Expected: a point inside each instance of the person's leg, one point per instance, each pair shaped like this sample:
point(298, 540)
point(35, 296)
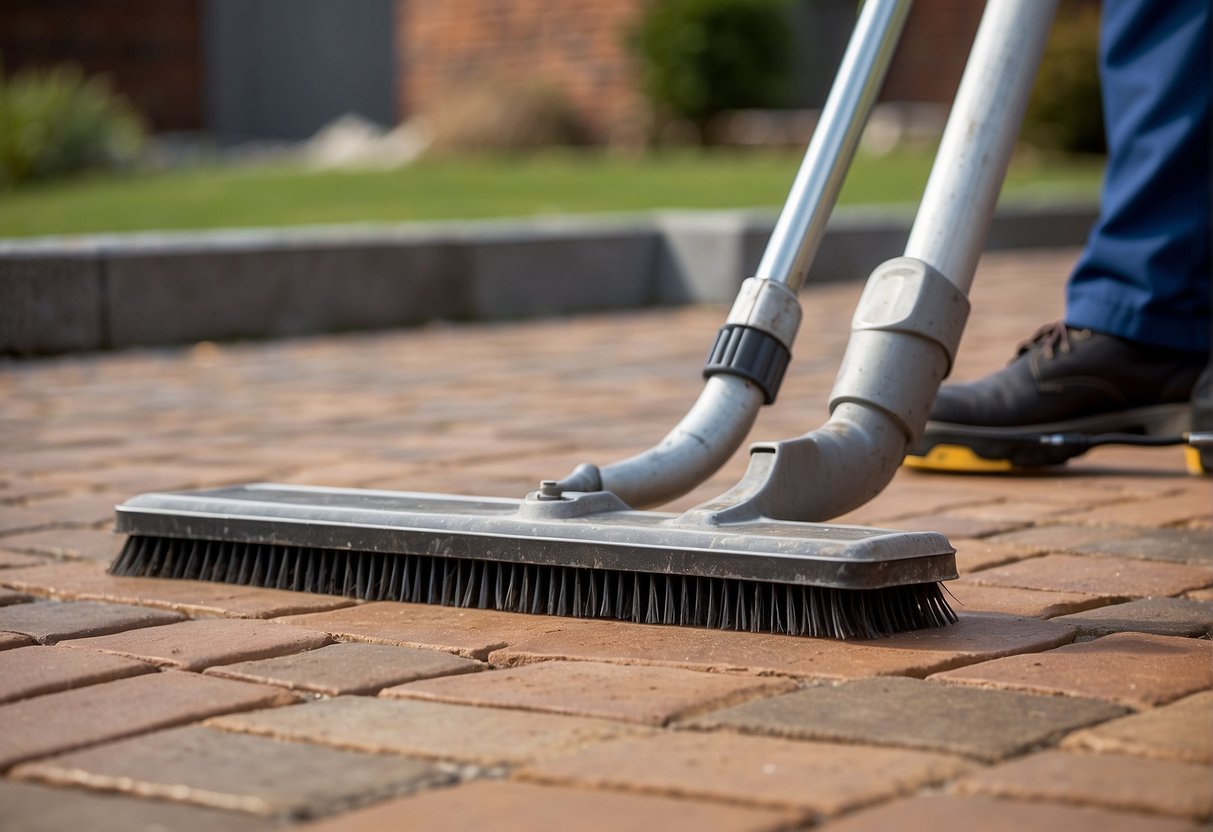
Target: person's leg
point(1144, 275)
point(1136, 334)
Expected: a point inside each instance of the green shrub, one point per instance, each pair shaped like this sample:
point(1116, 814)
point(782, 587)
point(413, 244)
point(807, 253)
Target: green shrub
point(55, 122)
point(702, 57)
point(1065, 113)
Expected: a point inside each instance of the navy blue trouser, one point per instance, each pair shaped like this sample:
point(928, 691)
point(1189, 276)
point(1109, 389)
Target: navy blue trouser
point(1145, 273)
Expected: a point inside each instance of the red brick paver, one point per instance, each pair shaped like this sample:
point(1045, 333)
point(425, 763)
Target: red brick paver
point(88, 581)
point(1182, 731)
point(763, 771)
point(1107, 576)
point(32, 671)
point(521, 807)
point(236, 771)
point(1136, 784)
point(652, 696)
point(196, 645)
point(1134, 669)
point(348, 667)
point(486, 736)
point(86, 716)
point(975, 638)
point(931, 814)
point(49, 622)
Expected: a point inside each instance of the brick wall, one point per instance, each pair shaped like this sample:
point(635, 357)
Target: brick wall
point(150, 49)
point(931, 55)
point(576, 45)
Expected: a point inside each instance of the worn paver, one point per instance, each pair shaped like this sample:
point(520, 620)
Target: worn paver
point(88, 581)
point(32, 671)
point(11, 560)
point(237, 771)
point(917, 653)
point(1057, 537)
point(1161, 616)
point(822, 778)
point(650, 695)
point(987, 725)
point(524, 807)
point(348, 668)
point(10, 640)
point(1182, 730)
point(1112, 781)
point(973, 555)
point(12, 596)
point(29, 807)
point(196, 645)
point(931, 814)
point(468, 632)
point(1135, 669)
point(1178, 545)
point(81, 717)
point(1169, 510)
point(72, 543)
point(1123, 577)
point(1028, 603)
point(52, 621)
point(433, 730)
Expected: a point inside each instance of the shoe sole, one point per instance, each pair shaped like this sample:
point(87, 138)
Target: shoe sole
point(947, 446)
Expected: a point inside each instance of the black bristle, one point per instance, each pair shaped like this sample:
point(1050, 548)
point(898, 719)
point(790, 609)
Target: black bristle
point(720, 603)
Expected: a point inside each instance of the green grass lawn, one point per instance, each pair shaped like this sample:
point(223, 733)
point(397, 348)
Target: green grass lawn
point(555, 183)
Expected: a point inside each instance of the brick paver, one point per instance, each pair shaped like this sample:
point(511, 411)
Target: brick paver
point(348, 667)
point(1030, 603)
point(522, 807)
point(1161, 616)
point(34, 808)
point(822, 778)
point(88, 581)
point(11, 596)
point(1113, 781)
point(86, 716)
point(931, 814)
point(1178, 545)
point(599, 690)
point(985, 725)
point(196, 645)
point(973, 639)
point(32, 671)
point(472, 633)
point(1134, 669)
point(491, 410)
point(1107, 576)
point(484, 736)
point(50, 621)
point(11, 640)
point(1181, 731)
point(237, 771)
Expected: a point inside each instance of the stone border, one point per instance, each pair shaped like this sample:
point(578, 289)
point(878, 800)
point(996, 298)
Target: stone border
point(110, 292)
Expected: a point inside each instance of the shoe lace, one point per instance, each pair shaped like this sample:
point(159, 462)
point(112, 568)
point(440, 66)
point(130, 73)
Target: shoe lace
point(1051, 338)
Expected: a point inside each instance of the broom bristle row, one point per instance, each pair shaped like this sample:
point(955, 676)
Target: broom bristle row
point(580, 592)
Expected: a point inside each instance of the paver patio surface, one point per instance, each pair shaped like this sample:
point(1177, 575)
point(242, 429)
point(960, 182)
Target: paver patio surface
point(1086, 607)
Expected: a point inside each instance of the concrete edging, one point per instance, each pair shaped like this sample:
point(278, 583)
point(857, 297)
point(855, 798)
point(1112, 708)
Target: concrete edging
point(116, 291)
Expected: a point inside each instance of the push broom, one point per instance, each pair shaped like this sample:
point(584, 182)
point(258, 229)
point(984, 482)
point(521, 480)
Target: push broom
point(756, 558)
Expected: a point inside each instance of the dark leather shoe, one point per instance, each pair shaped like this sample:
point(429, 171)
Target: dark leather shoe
point(1062, 380)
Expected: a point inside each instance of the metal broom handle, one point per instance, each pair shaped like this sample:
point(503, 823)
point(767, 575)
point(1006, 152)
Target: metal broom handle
point(802, 222)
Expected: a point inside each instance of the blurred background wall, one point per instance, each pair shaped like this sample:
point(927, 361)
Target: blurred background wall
point(281, 69)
